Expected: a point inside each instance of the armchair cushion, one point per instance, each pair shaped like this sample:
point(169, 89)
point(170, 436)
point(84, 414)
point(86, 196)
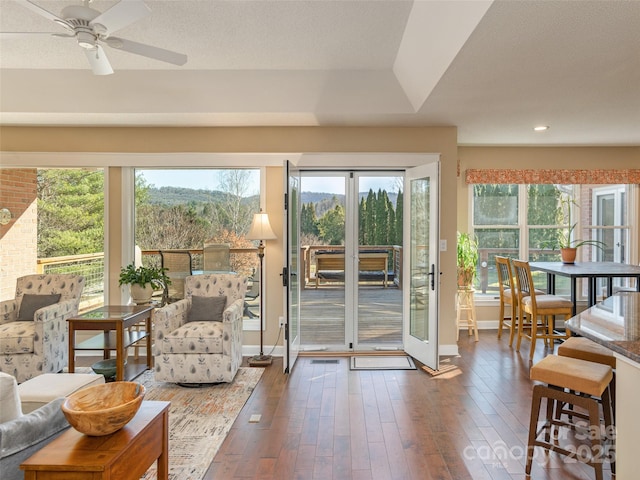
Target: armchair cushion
point(30, 303)
point(195, 337)
point(17, 337)
point(207, 308)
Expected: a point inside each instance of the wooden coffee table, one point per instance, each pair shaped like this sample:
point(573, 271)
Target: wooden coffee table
point(124, 455)
point(115, 321)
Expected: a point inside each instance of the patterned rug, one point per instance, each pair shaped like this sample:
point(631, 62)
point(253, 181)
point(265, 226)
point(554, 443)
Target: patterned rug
point(199, 419)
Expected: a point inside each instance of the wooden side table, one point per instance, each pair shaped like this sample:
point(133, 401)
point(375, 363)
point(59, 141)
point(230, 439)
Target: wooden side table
point(115, 321)
point(465, 305)
point(124, 455)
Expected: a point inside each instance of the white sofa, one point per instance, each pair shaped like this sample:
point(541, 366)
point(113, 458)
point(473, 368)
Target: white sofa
point(23, 435)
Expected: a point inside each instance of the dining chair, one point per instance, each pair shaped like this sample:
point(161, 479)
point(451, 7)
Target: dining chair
point(178, 265)
point(216, 258)
point(541, 310)
point(508, 297)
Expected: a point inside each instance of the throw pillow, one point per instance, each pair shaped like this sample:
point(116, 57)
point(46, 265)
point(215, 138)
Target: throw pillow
point(30, 303)
point(207, 308)
point(10, 407)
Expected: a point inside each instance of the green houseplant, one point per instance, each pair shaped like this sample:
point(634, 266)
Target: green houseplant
point(565, 241)
point(467, 260)
point(142, 281)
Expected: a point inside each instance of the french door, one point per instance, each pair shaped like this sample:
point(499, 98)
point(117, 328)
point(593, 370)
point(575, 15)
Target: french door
point(421, 268)
point(291, 272)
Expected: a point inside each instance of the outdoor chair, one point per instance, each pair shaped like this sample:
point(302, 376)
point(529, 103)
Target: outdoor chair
point(34, 336)
point(178, 265)
point(216, 258)
point(199, 339)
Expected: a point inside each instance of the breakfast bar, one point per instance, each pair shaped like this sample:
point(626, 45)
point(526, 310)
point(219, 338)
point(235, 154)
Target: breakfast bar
point(615, 323)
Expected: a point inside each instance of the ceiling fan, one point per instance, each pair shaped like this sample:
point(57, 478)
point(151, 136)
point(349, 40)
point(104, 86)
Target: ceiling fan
point(92, 29)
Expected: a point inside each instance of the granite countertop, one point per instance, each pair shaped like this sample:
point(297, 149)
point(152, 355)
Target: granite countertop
point(614, 323)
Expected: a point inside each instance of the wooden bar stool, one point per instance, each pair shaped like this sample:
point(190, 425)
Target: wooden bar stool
point(541, 310)
point(465, 305)
point(585, 349)
point(508, 298)
point(561, 377)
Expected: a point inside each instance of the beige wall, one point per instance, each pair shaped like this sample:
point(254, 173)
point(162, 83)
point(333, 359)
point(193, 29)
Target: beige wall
point(438, 140)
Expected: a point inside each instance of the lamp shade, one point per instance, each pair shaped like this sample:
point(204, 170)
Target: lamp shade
point(261, 228)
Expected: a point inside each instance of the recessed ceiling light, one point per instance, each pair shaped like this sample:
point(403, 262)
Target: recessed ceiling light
point(541, 128)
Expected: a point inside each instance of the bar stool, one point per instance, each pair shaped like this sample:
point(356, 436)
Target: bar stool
point(508, 298)
point(540, 309)
point(466, 305)
point(561, 377)
point(585, 349)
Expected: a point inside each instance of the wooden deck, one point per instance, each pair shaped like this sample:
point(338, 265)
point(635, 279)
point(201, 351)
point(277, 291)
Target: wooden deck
point(322, 313)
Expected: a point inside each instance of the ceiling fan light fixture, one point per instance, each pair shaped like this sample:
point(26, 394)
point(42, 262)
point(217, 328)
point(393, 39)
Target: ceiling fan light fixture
point(86, 40)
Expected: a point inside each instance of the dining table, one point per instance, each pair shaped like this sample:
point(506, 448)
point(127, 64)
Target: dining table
point(590, 271)
point(615, 324)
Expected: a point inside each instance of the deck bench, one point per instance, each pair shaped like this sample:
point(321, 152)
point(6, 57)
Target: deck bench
point(369, 261)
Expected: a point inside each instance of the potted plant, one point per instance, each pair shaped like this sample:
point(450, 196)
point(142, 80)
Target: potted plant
point(565, 242)
point(142, 281)
point(467, 259)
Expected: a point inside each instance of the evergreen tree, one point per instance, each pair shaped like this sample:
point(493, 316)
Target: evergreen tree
point(397, 239)
point(331, 226)
point(70, 211)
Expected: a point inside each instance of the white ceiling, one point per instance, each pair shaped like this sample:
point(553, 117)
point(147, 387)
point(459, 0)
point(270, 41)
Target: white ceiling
point(493, 69)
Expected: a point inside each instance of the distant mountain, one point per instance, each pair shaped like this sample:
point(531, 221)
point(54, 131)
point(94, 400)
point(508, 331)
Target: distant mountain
point(180, 196)
point(320, 197)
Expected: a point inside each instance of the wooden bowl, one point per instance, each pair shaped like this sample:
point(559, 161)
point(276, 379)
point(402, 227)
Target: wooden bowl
point(103, 409)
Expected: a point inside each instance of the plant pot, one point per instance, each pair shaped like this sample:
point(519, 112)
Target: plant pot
point(465, 278)
point(141, 294)
point(568, 255)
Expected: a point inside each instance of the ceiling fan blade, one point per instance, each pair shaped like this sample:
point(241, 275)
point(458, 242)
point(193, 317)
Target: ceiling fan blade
point(147, 50)
point(99, 61)
point(45, 13)
point(122, 14)
point(26, 34)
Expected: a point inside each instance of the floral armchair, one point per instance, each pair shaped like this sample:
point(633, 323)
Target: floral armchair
point(199, 339)
point(33, 326)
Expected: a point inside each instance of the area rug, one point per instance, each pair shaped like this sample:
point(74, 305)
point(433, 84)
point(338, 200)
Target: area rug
point(199, 419)
point(382, 362)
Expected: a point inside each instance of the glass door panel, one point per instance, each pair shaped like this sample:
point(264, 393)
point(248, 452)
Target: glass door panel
point(322, 249)
point(378, 256)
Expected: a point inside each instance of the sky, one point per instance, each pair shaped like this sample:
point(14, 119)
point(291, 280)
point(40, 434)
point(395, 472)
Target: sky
point(207, 179)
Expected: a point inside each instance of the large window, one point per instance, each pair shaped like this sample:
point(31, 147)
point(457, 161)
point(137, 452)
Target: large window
point(532, 222)
point(184, 209)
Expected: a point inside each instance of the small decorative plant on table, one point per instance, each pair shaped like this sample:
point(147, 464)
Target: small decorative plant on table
point(565, 241)
point(467, 259)
point(142, 281)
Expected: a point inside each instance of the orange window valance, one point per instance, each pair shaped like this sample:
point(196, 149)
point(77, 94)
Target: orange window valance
point(563, 177)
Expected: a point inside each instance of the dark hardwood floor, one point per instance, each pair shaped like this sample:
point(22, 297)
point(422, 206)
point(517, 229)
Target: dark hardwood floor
point(325, 421)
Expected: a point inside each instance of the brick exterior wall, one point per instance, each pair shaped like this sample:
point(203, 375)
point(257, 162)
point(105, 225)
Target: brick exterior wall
point(19, 238)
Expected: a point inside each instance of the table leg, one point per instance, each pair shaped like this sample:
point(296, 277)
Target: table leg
point(72, 348)
point(149, 326)
point(574, 281)
point(119, 352)
point(163, 459)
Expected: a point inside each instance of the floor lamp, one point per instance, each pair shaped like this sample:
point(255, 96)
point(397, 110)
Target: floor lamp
point(261, 230)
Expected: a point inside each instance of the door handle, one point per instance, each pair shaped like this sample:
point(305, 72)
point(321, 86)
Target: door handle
point(285, 277)
point(432, 274)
